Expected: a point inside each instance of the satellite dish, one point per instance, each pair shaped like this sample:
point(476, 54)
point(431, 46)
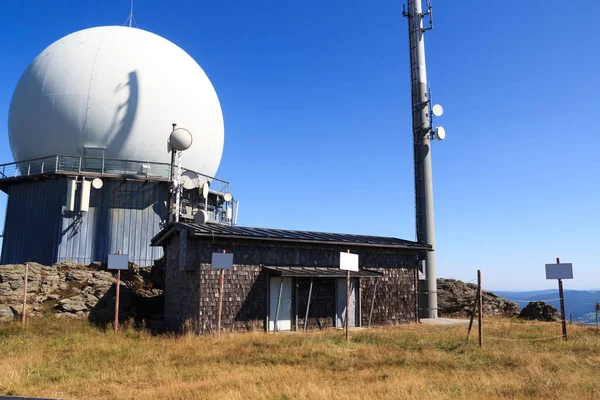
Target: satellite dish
point(180, 139)
point(228, 197)
point(97, 183)
point(201, 217)
point(189, 180)
point(437, 110)
point(205, 188)
point(440, 133)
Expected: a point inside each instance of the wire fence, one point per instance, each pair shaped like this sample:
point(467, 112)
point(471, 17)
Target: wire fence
point(323, 305)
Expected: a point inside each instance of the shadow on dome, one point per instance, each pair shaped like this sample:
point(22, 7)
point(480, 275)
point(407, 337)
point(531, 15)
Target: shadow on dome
point(119, 131)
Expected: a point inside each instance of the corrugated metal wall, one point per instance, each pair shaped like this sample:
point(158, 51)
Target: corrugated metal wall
point(33, 221)
point(123, 215)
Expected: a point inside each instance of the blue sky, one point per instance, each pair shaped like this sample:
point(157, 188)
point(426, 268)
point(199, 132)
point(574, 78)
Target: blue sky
point(316, 101)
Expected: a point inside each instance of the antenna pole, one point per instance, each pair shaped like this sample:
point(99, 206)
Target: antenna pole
point(131, 14)
point(422, 151)
point(130, 18)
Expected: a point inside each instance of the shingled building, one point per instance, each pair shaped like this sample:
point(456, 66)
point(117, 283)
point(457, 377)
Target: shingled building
point(281, 276)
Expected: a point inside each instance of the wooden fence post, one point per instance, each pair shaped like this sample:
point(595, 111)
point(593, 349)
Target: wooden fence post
point(480, 317)
point(24, 316)
point(475, 304)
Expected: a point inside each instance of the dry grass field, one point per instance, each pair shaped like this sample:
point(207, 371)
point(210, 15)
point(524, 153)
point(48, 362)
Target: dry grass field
point(73, 360)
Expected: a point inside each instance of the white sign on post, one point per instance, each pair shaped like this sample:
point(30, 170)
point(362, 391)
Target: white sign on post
point(118, 261)
point(559, 271)
point(349, 261)
point(222, 260)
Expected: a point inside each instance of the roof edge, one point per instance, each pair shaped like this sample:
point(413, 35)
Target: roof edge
point(169, 230)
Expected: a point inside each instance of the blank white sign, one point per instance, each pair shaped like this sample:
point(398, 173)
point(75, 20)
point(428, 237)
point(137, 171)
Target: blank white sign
point(559, 271)
point(222, 260)
point(349, 261)
point(118, 261)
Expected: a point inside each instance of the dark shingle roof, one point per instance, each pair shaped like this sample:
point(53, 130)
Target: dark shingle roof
point(242, 232)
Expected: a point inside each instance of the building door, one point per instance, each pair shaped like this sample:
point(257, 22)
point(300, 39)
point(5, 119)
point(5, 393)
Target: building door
point(341, 303)
point(284, 319)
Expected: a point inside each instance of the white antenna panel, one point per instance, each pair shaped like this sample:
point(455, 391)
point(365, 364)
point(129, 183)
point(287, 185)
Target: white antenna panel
point(71, 188)
point(86, 187)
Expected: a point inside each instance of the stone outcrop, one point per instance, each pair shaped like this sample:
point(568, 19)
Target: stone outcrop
point(455, 299)
point(540, 311)
point(69, 290)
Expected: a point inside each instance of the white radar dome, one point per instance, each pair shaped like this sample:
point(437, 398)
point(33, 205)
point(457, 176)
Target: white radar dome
point(115, 92)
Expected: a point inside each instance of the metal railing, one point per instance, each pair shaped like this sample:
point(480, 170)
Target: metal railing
point(94, 166)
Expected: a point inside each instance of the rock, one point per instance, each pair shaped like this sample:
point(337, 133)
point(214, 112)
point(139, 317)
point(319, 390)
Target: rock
point(78, 275)
point(540, 311)
point(67, 264)
point(70, 290)
point(90, 300)
point(97, 266)
point(6, 313)
point(73, 304)
point(455, 298)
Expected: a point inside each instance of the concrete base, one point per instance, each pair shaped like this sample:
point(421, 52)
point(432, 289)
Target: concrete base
point(445, 321)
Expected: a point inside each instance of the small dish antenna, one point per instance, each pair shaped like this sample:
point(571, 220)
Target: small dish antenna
point(190, 180)
point(97, 183)
point(440, 133)
point(201, 217)
point(180, 139)
point(437, 110)
point(205, 188)
point(228, 197)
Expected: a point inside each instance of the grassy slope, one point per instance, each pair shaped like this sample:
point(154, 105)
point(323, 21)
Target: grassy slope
point(70, 359)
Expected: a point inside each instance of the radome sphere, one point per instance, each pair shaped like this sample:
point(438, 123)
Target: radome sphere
point(115, 92)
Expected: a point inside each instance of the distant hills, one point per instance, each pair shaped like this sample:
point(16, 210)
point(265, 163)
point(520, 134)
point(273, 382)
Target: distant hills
point(580, 303)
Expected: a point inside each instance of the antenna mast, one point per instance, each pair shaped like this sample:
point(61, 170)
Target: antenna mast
point(422, 134)
point(131, 18)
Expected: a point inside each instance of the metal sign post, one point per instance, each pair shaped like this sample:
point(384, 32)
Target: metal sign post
point(118, 261)
point(308, 304)
point(220, 306)
point(347, 305)
point(348, 262)
point(560, 271)
point(221, 261)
